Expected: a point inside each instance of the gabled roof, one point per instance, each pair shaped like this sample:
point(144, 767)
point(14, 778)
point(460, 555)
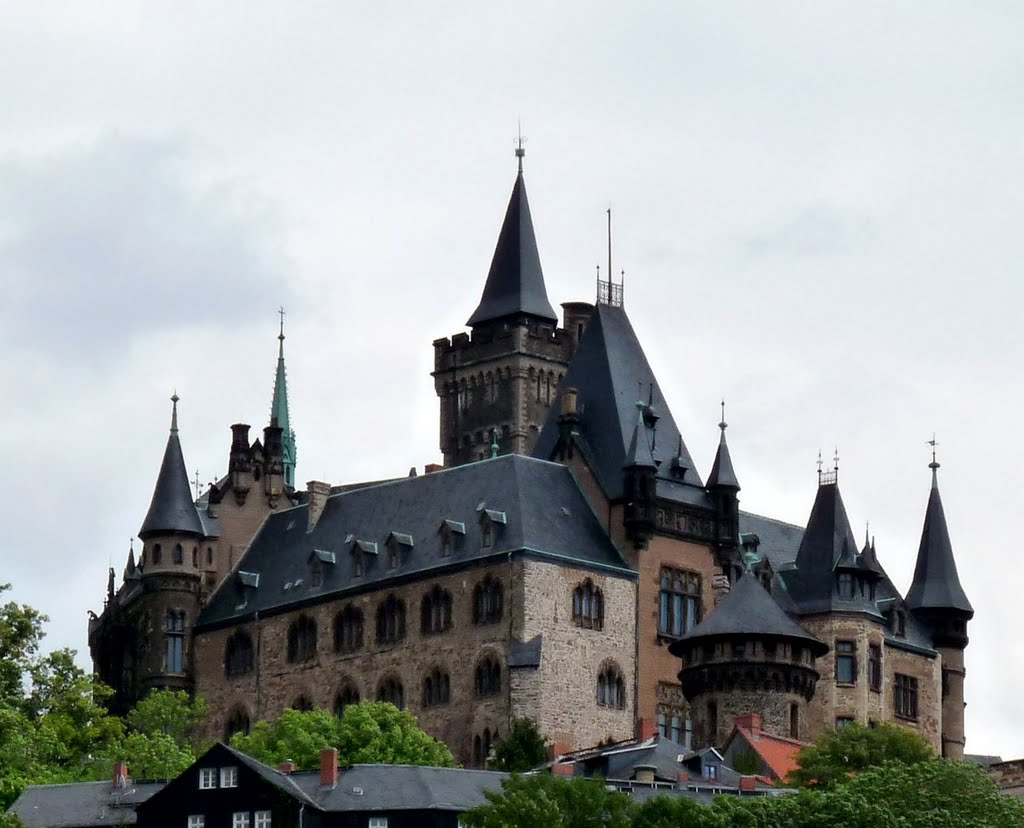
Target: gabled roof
point(515, 281)
point(936, 583)
point(82, 804)
point(547, 516)
point(777, 752)
point(610, 372)
point(747, 611)
point(172, 508)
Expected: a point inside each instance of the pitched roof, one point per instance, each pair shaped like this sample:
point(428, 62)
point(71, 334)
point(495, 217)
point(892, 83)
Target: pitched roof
point(936, 583)
point(610, 371)
point(748, 610)
point(547, 516)
point(515, 281)
point(172, 508)
point(638, 455)
point(777, 752)
point(81, 804)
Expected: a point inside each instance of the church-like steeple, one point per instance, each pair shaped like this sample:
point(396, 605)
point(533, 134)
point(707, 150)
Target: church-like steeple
point(515, 282)
point(279, 411)
point(936, 584)
point(172, 508)
point(722, 475)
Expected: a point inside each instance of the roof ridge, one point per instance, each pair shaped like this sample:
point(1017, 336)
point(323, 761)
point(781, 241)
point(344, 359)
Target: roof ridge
point(772, 519)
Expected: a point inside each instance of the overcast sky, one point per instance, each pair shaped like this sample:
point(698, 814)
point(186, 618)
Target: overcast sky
point(818, 208)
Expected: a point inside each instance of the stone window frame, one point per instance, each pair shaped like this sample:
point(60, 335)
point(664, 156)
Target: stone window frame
point(846, 654)
point(482, 744)
point(348, 628)
point(391, 626)
point(392, 690)
point(680, 603)
point(179, 555)
point(487, 676)
point(675, 722)
point(348, 694)
point(875, 667)
point(588, 605)
point(488, 601)
point(611, 686)
point(437, 688)
point(239, 655)
point(239, 721)
point(157, 554)
point(302, 639)
point(905, 697)
point(174, 635)
point(436, 611)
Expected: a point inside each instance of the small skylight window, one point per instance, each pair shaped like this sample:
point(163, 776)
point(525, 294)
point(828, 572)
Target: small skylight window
point(349, 538)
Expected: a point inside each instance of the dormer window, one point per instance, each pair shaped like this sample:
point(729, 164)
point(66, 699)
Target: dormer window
point(394, 544)
point(845, 586)
point(360, 549)
point(490, 519)
point(452, 532)
point(319, 560)
point(486, 535)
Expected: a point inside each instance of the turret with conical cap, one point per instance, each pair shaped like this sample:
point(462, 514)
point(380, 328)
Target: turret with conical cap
point(639, 484)
point(724, 486)
point(172, 509)
point(937, 598)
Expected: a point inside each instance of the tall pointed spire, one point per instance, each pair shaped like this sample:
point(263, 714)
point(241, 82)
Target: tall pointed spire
point(279, 410)
point(515, 282)
point(722, 475)
point(639, 455)
point(936, 583)
point(172, 508)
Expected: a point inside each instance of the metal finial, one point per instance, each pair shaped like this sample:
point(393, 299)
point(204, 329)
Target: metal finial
point(174, 412)
point(196, 484)
point(520, 152)
point(835, 461)
point(867, 532)
point(820, 463)
point(495, 434)
point(934, 465)
point(610, 277)
point(723, 424)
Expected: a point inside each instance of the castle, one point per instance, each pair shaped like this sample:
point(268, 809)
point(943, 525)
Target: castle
point(568, 563)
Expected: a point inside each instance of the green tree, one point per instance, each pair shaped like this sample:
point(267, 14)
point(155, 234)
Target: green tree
point(169, 712)
point(21, 630)
point(546, 801)
point(10, 821)
point(522, 750)
point(676, 812)
point(367, 733)
point(836, 755)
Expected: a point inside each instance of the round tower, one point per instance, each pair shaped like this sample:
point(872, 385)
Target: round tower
point(939, 601)
point(748, 657)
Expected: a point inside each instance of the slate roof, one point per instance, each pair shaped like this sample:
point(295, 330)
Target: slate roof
point(81, 804)
point(515, 281)
point(722, 474)
point(172, 508)
point(610, 372)
point(547, 516)
point(936, 583)
point(777, 540)
point(748, 610)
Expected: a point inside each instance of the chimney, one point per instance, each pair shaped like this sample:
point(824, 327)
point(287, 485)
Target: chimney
point(120, 781)
point(563, 769)
point(749, 721)
point(318, 494)
point(748, 784)
point(329, 767)
point(646, 729)
point(287, 767)
point(575, 316)
point(430, 468)
point(556, 749)
point(273, 460)
point(644, 773)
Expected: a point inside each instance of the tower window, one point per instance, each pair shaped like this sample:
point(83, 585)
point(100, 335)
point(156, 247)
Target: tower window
point(157, 554)
point(679, 606)
point(179, 554)
point(436, 611)
point(845, 586)
point(301, 640)
point(174, 626)
point(905, 697)
point(875, 668)
point(437, 688)
point(611, 689)
point(588, 606)
point(348, 630)
point(794, 721)
point(846, 662)
point(391, 620)
point(482, 747)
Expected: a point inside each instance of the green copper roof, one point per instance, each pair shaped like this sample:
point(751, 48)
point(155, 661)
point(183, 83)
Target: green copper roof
point(279, 411)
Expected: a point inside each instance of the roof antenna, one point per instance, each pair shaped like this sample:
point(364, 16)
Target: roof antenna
point(520, 152)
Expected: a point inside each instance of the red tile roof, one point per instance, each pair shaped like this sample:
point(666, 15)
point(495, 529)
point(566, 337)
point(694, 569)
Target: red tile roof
point(777, 752)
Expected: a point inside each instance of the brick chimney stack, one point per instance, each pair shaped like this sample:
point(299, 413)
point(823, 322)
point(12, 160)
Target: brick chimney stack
point(750, 721)
point(120, 776)
point(329, 767)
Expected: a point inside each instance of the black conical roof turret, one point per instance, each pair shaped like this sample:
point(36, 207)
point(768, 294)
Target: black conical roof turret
point(515, 282)
point(748, 611)
point(722, 475)
point(172, 508)
point(639, 455)
point(936, 583)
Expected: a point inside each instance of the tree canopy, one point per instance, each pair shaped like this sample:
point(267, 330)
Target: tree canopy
point(366, 733)
point(522, 750)
point(545, 801)
point(836, 755)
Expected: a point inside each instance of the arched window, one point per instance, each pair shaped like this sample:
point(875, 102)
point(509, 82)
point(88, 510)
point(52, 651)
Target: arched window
point(302, 703)
point(611, 689)
point(209, 556)
point(488, 677)
point(437, 688)
point(348, 694)
point(588, 606)
point(301, 640)
point(195, 557)
point(179, 554)
point(174, 627)
point(157, 554)
point(391, 620)
point(488, 601)
point(238, 655)
point(436, 611)
point(348, 630)
point(391, 690)
point(482, 745)
point(238, 722)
